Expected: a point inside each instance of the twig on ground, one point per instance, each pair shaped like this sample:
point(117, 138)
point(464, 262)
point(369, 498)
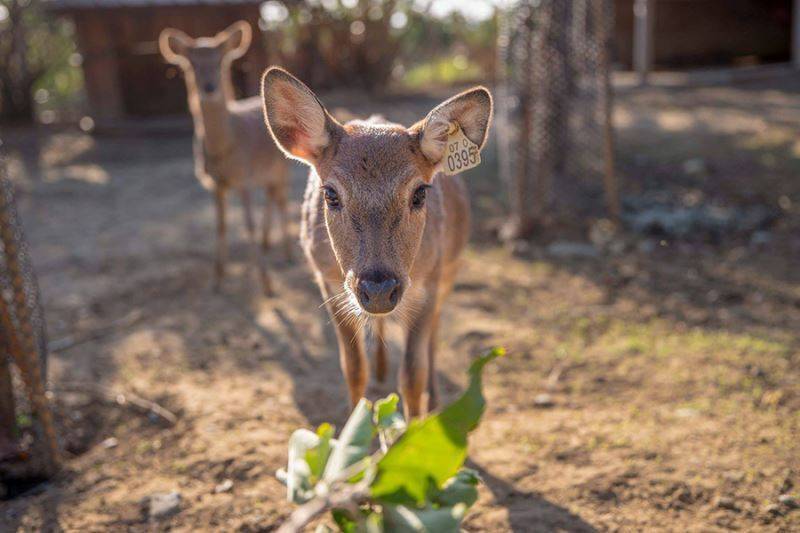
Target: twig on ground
point(120, 398)
point(70, 341)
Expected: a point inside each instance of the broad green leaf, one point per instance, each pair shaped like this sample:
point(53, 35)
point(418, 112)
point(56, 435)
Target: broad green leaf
point(432, 450)
point(353, 443)
point(317, 457)
point(299, 488)
point(389, 421)
point(402, 519)
point(462, 488)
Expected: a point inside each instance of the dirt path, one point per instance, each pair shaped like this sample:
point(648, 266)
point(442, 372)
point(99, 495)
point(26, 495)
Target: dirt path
point(672, 373)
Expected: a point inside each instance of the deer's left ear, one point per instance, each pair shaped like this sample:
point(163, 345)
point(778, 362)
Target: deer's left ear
point(471, 110)
point(235, 39)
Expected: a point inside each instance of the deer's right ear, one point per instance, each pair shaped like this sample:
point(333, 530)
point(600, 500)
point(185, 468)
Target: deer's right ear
point(298, 122)
point(173, 45)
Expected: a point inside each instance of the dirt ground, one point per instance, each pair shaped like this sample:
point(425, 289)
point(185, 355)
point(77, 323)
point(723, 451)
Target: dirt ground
point(671, 369)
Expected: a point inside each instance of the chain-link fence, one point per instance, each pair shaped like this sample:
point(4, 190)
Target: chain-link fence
point(22, 330)
point(554, 111)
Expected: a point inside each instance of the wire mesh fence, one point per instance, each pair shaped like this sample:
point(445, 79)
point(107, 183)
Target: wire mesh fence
point(22, 329)
point(554, 111)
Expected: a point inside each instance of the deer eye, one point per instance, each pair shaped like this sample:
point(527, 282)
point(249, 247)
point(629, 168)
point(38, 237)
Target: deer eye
point(418, 199)
point(332, 198)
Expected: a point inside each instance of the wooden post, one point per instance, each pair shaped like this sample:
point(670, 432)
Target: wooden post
point(8, 417)
point(100, 68)
point(643, 37)
point(796, 34)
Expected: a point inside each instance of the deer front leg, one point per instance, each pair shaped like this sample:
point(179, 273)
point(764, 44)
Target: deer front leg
point(416, 366)
point(265, 222)
point(222, 249)
point(381, 363)
point(282, 198)
point(255, 248)
point(433, 380)
point(351, 346)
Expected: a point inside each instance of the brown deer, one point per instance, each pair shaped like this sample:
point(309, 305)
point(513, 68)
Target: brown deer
point(382, 226)
point(231, 147)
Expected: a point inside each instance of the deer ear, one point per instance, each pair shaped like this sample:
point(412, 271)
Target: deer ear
point(236, 39)
point(298, 122)
point(471, 110)
point(173, 45)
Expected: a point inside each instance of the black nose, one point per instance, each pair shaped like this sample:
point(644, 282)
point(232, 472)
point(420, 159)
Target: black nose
point(379, 293)
point(209, 88)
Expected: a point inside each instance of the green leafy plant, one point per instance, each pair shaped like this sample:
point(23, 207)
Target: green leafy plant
point(414, 482)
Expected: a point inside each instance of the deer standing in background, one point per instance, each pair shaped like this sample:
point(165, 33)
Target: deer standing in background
point(232, 149)
point(382, 227)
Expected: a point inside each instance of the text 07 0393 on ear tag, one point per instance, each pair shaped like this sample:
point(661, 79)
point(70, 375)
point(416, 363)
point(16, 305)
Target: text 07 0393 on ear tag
point(460, 154)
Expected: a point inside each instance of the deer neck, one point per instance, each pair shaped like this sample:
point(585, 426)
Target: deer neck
point(215, 129)
point(228, 91)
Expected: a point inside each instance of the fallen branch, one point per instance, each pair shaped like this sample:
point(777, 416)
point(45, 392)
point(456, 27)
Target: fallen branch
point(70, 341)
point(120, 398)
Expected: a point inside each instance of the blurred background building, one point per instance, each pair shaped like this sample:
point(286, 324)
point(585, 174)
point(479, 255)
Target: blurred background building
point(100, 56)
point(123, 72)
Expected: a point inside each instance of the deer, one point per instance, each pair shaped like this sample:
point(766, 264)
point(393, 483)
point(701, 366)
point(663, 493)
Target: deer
point(231, 146)
point(382, 226)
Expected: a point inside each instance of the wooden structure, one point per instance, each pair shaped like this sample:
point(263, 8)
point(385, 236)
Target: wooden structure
point(125, 76)
point(695, 33)
point(796, 34)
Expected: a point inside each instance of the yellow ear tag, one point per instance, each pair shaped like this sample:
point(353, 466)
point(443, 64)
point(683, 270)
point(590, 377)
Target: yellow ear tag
point(460, 153)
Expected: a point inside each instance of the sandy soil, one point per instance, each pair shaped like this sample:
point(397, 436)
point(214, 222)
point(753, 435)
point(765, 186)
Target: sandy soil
point(673, 372)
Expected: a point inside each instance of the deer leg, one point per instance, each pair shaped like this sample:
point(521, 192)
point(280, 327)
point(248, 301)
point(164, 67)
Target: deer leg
point(222, 248)
point(265, 222)
point(255, 248)
point(433, 380)
point(351, 347)
point(415, 367)
point(283, 208)
point(381, 363)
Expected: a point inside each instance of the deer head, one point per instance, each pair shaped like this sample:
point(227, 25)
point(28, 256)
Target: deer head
point(206, 61)
point(374, 179)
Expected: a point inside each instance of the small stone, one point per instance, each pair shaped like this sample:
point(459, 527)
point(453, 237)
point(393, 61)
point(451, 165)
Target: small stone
point(110, 442)
point(760, 239)
point(565, 250)
point(225, 486)
point(646, 246)
point(773, 509)
point(617, 247)
point(726, 502)
point(163, 504)
point(519, 247)
point(787, 500)
point(543, 400)
point(695, 166)
point(602, 233)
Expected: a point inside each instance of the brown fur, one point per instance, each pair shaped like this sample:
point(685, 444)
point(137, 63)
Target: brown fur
point(231, 148)
point(375, 167)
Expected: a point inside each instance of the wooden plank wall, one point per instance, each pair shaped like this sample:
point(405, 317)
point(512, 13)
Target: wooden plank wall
point(124, 72)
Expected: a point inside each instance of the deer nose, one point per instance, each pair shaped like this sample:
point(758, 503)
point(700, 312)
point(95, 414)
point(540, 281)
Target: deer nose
point(209, 88)
point(379, 294)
